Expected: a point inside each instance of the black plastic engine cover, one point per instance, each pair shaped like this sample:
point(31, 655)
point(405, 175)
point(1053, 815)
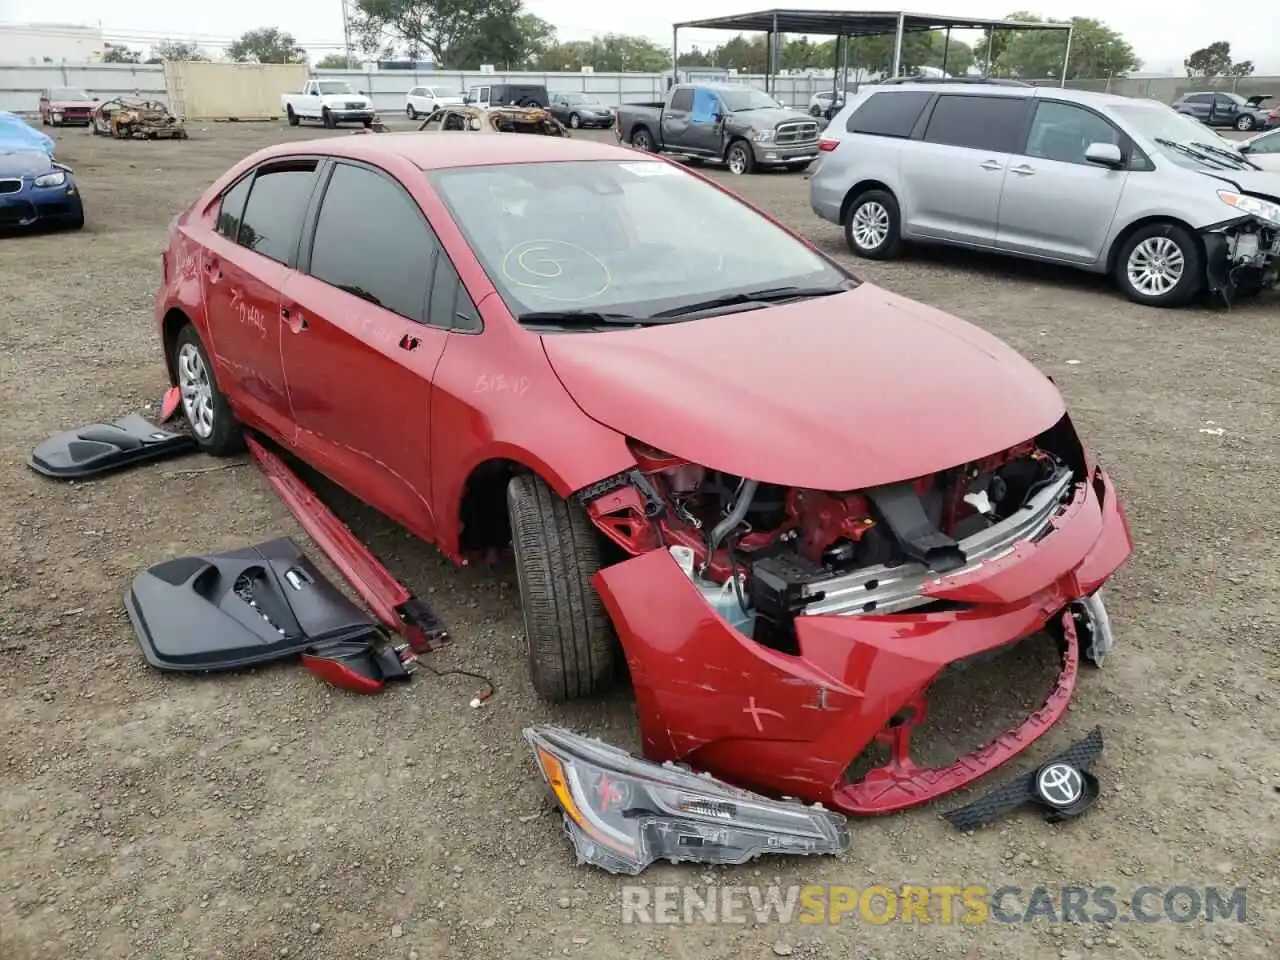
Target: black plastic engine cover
point(235, 609)
point(99, 447)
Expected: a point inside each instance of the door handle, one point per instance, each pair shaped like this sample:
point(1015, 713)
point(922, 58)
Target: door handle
point(992, 165)
point(294, 320)
point(1023, 171)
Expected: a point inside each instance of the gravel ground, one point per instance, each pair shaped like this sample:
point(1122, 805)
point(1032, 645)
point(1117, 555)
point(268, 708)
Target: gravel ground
point(267, 815)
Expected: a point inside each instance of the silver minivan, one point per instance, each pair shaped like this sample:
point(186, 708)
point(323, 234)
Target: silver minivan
point(1109, 184)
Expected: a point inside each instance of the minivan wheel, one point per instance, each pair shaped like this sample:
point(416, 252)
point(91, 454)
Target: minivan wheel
point(873, 227)
point(1245, 123)
point(570, 641)
point(1160, 265)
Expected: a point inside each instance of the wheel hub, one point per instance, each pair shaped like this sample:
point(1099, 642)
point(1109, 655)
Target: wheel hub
point(197, 391)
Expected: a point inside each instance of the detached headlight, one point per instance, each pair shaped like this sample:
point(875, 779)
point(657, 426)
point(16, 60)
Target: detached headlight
point(763, 136)
point(1254, 206)
point(623, 813)
point(55, 179)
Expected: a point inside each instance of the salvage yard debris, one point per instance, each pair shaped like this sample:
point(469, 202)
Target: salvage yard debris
point(127, 118)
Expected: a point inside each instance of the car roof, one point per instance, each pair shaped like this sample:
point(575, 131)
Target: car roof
point(980, 89)
point(439, 151)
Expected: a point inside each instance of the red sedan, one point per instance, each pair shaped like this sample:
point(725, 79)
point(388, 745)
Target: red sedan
point(62, 105)
point(790, 499)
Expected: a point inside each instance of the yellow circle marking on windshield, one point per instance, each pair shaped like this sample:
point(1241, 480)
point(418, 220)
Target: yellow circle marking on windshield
point(533, 257)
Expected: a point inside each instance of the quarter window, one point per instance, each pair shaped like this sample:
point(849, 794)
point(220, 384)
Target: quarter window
point(277, 205)
point(888, 114)
point(1063, 132)
point(979, 123)
point(372, 241)
point(231, 209)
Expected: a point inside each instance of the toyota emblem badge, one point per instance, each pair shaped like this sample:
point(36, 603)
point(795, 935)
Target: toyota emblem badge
point(1060, 785)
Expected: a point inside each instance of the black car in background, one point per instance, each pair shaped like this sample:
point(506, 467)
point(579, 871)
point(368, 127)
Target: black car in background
point(1219, 109)
point(580, 110)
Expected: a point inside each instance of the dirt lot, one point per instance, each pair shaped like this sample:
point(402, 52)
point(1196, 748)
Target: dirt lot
point(266, 815)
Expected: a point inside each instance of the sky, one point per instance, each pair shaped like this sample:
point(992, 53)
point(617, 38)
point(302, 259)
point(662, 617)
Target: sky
point(1162, 33)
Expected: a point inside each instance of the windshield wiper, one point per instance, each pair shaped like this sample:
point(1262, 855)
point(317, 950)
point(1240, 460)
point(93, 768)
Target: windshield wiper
point(360, 292)
point(1187, 150)
point(1228, 154)
point(762, 297)
point(579, 318)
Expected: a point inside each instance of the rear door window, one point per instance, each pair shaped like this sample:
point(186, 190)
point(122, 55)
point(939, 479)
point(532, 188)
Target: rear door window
point(888, 114)
point(372, 241)
point(272, 221)
point(978, 123)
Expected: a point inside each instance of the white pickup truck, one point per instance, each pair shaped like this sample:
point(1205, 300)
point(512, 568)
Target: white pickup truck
point(330, 101)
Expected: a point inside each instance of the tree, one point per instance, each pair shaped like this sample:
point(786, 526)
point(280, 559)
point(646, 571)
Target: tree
point(506, 41)
point(1096, 51)
point(1241, 68)
point(266, 45)
point(115, 53)
point(175, 50)
point(612, 53)
point(1211, 61)
point(333, 61)
point(446, 29)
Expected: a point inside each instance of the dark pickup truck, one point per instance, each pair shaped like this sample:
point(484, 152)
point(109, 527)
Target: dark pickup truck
point(727, 123)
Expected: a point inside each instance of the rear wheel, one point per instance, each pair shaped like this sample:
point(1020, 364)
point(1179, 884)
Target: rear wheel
point(411, 113)
point(642, 140)
point(1160, 265)
point(874, 224)
point(205, 406)
point(1246, 123)
point(569, 639)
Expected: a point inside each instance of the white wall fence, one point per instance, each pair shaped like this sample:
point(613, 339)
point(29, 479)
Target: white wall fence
point(20, 84)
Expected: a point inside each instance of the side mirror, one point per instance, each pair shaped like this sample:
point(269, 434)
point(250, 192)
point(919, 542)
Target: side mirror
point(1244, 147)
point(1104, 154)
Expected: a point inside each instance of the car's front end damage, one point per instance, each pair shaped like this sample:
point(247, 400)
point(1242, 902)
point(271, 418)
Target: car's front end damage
point(1242, 253)
point(775, 633)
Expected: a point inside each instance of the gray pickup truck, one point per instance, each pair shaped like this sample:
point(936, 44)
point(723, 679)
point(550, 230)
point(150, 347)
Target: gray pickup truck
point(726, 123)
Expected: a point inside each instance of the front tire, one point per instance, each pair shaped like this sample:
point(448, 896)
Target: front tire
point(1160, 265)
point(575, 121)
point(569, 638)
point(293, 117)
point(740, 158)
point(327, 118)
point(205, 406)
point(873, 227)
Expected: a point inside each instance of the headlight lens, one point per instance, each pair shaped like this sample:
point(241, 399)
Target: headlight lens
point(763, 136)
point(623, 813)
point(55, 179)
point(1254, 206)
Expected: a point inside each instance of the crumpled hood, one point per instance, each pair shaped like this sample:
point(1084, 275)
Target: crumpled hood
point(833, 393)
point(21, 163)
point(1264, 183)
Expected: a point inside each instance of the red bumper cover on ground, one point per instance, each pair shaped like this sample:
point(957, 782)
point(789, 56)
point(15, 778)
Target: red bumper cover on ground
point(792, 724)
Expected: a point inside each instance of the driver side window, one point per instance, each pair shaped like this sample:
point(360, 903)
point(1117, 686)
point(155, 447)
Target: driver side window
point(1063, 132)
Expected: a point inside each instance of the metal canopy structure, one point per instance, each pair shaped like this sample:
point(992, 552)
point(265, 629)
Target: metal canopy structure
point(847, 25)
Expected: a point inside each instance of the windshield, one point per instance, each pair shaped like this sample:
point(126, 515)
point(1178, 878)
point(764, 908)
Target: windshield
point(738, 99)
point(67, 93)
point(444, 92)
point(1157, 122)
point(335, 86)
point(579, 98)
point(624, 237)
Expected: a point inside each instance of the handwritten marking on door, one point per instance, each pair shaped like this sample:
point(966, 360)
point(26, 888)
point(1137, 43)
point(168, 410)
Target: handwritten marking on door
point(500, 383)
point(248, 314)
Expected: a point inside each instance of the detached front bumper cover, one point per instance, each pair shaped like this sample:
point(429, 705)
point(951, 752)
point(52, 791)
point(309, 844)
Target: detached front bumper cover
point(623, 813)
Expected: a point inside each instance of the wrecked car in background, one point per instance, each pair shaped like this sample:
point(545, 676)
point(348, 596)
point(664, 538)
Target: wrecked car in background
point(133, 119)
point(504, 119)
point(791, 499)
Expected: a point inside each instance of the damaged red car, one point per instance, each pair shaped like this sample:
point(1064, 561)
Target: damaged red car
point(788, 500)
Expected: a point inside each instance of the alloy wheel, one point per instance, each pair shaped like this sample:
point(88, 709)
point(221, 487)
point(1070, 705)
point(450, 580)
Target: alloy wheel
point(1155, 266)
point(197, 391)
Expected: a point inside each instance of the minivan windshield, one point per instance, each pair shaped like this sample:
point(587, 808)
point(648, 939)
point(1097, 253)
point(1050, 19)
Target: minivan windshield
point(1179, 137)
point(624, 241)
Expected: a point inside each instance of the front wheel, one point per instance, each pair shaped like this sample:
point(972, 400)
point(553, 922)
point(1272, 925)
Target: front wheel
point(327, 118)
point(873, 228)
point(569, 640)
point(293, 117)
point(740, 159)
point(1161, 265)
point(205, 406)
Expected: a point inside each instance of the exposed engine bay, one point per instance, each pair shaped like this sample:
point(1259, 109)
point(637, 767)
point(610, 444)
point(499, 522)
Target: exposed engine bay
point(763, 555)
point(1244, 254)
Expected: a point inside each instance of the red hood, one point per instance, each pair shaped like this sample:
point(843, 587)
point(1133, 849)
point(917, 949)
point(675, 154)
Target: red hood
point(833, 393)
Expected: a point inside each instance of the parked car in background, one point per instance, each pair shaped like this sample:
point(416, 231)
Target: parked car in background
point(1219, 109)
point(580, 110)
point(37, 191)
point(1262, 149)
point(66, 105)
point(507, 95)
point(825, 103)
point(727, 123)
point(332, 102)
point(423, 101)
point(732, 466)
point(1109, 184)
